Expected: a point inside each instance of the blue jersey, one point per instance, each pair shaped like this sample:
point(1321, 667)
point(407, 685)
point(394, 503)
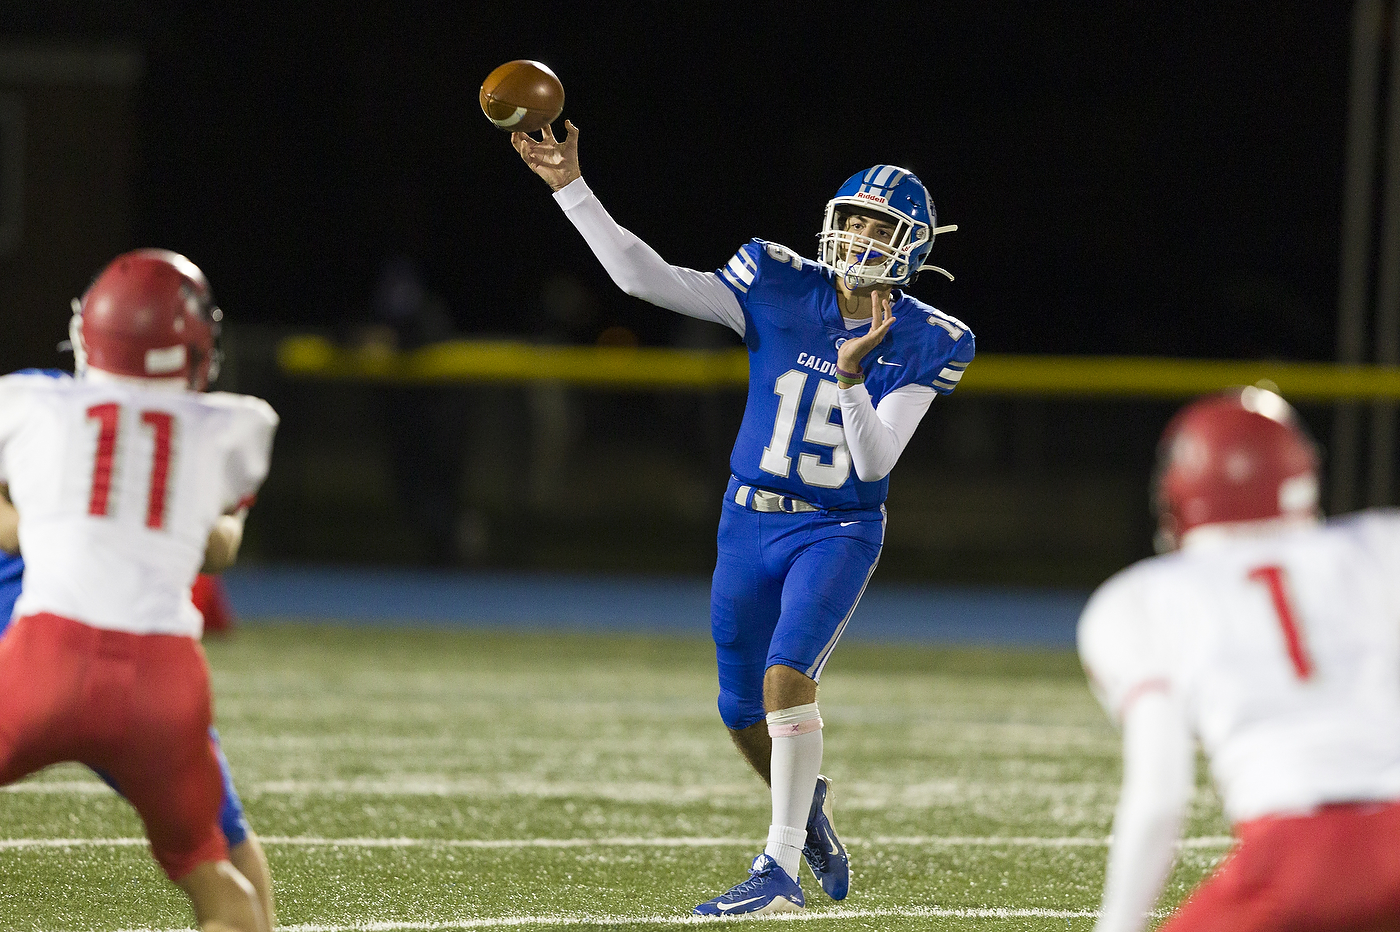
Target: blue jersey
point(791, 440)
point(11, 575)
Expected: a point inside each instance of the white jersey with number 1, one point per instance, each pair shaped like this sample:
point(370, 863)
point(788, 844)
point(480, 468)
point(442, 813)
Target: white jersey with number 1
point(1282, 651)
point(118, 486)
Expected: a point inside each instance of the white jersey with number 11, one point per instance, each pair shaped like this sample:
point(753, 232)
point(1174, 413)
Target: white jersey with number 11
point(118, 486)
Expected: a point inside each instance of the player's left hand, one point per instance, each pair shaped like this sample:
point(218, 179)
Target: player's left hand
point(850, 354)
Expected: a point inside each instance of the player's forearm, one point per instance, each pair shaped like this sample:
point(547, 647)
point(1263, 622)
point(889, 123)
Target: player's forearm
point(225, 539)
point(876, 438)
point(637, 269)
point(9, 522)
point(1158, 764)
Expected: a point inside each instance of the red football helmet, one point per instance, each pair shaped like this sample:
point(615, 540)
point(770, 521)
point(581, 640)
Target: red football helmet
point(1238, 456)
point(149, 314)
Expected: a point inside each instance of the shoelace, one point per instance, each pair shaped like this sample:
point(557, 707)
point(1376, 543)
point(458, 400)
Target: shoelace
point(755, 875)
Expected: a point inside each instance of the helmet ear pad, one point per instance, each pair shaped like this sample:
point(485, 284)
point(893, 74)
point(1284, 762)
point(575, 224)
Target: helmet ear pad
point(149, 314)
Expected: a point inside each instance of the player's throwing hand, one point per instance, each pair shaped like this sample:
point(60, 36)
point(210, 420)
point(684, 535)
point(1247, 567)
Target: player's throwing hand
point(554, 161)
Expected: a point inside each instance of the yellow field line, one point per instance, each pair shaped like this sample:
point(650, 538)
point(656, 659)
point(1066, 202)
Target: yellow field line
point(314, 357)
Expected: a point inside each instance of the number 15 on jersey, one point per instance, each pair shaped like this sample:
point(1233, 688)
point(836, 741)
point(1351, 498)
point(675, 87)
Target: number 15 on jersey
point(819, 431)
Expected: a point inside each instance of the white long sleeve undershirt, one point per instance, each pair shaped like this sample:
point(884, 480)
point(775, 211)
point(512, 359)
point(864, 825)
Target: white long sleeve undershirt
point(637, 269)
point(875, 436)
point(1158, 778)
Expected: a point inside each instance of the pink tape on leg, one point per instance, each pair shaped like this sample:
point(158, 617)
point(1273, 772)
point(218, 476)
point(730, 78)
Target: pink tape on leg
point(799, 720)
point(795, 729)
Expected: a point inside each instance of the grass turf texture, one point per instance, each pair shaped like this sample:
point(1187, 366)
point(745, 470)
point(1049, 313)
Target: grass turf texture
point(445, 779)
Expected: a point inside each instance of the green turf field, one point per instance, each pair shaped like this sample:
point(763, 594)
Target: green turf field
point(415, 780)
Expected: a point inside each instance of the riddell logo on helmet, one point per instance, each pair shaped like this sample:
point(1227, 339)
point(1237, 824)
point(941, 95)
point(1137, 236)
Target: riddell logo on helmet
point(861, 195)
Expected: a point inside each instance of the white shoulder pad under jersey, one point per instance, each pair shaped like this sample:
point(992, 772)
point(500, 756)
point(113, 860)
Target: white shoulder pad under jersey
point(14, 409)
point(118, 487)
point(1283, 650)
point(1117, 644)
point(251, 426)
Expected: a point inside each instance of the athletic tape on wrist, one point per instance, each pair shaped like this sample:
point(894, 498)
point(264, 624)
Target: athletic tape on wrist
point(798, 720)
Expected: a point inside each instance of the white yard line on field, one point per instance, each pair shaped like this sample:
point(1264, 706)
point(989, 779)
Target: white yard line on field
point(1009, 841)
point(912, 912)
point(878, 841)
point(56, 787)
point(856, 795)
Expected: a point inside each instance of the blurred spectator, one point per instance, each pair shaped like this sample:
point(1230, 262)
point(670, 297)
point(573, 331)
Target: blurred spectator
point(568, 311)
point(568, 315)
point(403, 304)
point(424, 425)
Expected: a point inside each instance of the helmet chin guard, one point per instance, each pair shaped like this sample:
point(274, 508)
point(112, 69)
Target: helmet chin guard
point(888, 193)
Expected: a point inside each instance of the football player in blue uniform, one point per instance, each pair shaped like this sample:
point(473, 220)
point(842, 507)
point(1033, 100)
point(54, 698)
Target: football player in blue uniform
point(244, 849)
point(843, 364)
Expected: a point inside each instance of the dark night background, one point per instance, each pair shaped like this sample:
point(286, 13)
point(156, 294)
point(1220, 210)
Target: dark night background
point(1129, 177)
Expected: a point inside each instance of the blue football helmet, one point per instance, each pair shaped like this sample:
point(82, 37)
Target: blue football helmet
point(888, 193)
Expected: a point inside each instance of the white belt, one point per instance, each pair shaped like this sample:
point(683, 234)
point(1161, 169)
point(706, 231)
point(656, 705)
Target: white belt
point(763, 500)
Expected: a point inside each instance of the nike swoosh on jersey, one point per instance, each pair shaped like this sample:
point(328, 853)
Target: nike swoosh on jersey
point(881, 361)
point(849, 523)
point(726, 907)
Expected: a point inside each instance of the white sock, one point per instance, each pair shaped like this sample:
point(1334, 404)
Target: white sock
point(785, 847)
point(797, 759)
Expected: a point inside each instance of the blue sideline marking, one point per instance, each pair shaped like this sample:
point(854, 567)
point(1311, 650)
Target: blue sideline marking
point(680, 605)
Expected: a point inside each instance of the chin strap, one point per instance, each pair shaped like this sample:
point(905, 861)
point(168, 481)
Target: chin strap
point(950, 228)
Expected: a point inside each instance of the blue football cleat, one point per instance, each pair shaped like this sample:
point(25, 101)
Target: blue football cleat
point(824, 852)
point(769, 889)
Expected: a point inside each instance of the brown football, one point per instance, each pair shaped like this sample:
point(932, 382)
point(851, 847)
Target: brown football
point(522, 96)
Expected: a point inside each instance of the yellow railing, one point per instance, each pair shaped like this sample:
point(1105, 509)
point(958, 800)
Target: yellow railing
point(314, 357)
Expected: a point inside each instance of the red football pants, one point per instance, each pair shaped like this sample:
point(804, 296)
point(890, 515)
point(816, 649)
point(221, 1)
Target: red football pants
point(135, 706)
point(1337, 870)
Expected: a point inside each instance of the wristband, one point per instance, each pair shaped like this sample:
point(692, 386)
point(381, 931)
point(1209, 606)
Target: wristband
point(851, 376)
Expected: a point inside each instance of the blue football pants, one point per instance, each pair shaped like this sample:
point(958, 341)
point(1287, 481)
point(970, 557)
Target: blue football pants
point(785, 586)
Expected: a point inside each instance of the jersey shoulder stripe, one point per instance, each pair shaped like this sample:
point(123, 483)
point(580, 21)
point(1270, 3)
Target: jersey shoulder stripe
point(742, 269)
point(758, 259)
point(738, 274)
point(948, 378)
